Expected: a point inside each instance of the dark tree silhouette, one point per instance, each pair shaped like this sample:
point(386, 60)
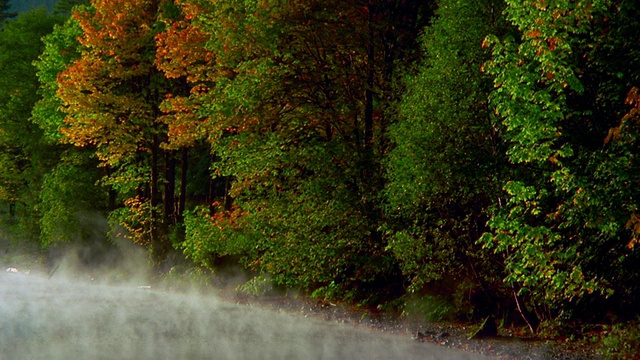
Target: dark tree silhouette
point(5, 14)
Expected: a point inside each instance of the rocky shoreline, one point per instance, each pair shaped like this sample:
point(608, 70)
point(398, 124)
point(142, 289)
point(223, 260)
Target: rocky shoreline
point(508, 346)
point(451, 335)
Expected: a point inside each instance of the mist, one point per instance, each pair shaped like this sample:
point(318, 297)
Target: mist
point(56, 318)
point(97, 300)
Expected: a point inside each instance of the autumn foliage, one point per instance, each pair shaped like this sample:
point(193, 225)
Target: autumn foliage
point(479, 152)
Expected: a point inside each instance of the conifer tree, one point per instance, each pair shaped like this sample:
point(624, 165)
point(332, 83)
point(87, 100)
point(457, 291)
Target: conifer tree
point(5, 14)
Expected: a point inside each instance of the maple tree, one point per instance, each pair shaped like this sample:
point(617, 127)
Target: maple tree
point(291, 118)
point(112, 96)
point(182, 55)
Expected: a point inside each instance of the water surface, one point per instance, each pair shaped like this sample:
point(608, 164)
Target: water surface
point(51, 319)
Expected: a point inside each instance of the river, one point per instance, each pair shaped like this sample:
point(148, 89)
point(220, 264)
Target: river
point(51, 319)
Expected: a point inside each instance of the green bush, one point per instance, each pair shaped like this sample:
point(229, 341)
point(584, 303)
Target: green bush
point(431, 308)
point(622, 342)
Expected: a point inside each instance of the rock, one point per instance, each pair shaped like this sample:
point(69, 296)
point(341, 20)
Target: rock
point(424, 335)
point(430, 335)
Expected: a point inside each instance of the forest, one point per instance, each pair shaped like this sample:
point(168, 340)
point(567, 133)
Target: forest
point(477, 154)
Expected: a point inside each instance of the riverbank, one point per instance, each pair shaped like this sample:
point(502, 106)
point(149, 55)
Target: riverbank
point(511, 343)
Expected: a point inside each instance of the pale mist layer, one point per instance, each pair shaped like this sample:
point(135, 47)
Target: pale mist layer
point(43, 318)
point(108, 311)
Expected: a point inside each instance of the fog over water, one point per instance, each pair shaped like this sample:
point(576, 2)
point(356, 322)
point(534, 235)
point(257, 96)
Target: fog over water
point(44, 318)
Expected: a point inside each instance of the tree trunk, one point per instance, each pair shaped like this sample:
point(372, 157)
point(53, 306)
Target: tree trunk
point(113, 195)
point(170, 188)
point(184, 166)
point(368, 108)
point(529, 317)
point(157, 247)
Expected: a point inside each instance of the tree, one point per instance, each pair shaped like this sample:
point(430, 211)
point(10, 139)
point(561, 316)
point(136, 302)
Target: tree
point(561, 231)
point(68, 197)
point(65, 7)
point(23, 157)
point(445, 167)
point(112, 96)
point(5, 14)
point(61, 49)
point(182, 56)
point(293, 119)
